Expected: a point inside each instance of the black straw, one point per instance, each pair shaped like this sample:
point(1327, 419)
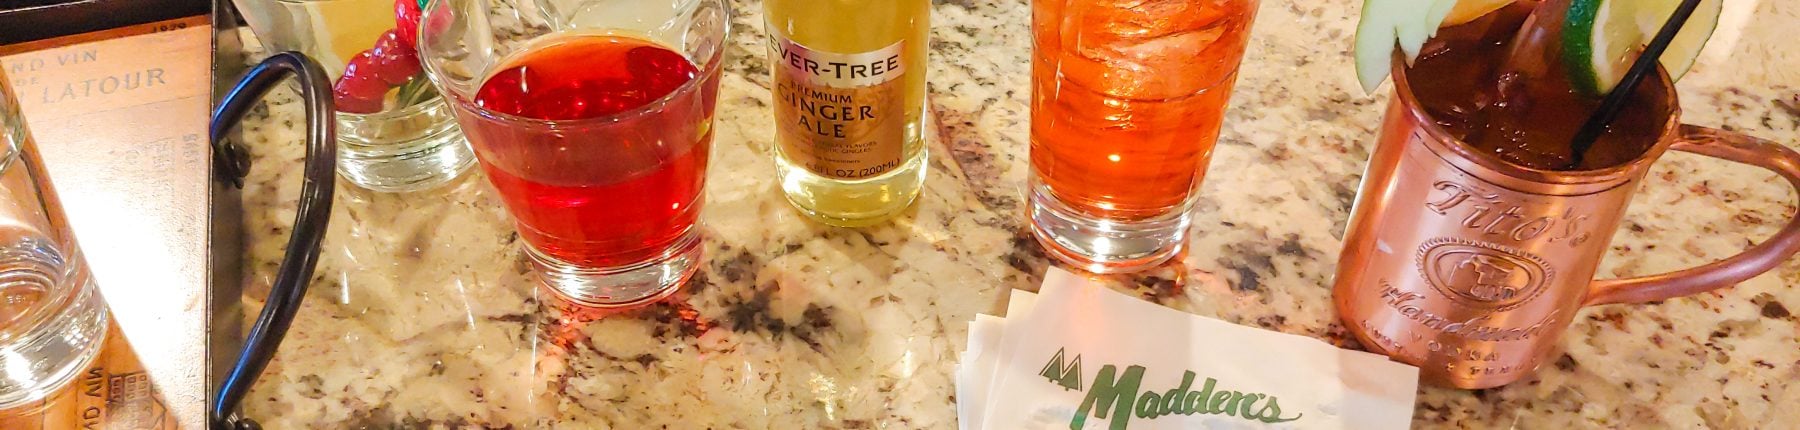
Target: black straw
point(1640, 69)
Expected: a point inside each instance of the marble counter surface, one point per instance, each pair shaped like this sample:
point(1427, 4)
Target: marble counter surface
point(421, 315)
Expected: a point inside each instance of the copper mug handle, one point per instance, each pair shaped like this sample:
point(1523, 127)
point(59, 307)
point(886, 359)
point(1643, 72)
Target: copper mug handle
point(1735, 147)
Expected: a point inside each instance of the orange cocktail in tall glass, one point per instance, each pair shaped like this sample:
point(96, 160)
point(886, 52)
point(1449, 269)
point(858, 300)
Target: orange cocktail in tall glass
point(1127, 99)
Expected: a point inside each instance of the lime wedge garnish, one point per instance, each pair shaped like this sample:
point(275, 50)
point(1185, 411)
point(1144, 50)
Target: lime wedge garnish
point(1406, 24)
point(1602, 37)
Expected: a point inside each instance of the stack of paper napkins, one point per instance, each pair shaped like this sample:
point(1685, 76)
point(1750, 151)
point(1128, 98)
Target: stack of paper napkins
point(1080, 356)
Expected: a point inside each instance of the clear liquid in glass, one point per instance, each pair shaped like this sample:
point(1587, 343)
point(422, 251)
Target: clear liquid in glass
point(52, 320)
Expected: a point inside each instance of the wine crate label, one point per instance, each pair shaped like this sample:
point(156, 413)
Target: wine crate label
point(112, 392)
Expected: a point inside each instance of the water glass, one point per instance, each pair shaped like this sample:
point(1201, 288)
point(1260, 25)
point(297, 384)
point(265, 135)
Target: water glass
point(52, 320)
point(395, 133)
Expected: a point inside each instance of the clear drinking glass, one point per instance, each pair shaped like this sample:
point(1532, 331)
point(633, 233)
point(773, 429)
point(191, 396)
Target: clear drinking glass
point(606, 205)
point(1126, 103)
point(52, 320)
point(395, 133)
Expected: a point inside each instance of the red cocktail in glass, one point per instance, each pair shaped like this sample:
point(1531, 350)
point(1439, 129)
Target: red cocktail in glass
point(596, 135)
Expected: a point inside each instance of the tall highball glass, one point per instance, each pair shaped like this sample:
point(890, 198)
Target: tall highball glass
point(1127, 98)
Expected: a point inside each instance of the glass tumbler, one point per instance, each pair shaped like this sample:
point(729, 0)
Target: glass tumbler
point(1126, 103)
point(52, 320)
point(606, 205)
point(395, 133)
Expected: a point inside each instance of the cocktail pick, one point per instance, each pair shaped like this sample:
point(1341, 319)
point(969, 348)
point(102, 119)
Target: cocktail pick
point(1640, 69)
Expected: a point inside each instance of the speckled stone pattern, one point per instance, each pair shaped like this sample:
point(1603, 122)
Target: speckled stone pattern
point(422, 316)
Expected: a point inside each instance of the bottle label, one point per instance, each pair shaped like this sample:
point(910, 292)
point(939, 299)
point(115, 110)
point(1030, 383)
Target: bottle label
point(840, 115)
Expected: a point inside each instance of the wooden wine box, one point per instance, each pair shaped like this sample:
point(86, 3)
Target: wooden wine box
point(116, 93)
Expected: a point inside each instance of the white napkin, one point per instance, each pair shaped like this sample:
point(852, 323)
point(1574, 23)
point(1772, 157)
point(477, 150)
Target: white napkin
point(1097, 343)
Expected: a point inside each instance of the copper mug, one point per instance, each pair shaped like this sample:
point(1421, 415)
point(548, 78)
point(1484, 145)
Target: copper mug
point(1471, 268)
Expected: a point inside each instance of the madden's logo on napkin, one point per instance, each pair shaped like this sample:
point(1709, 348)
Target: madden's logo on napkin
point(1081, 356)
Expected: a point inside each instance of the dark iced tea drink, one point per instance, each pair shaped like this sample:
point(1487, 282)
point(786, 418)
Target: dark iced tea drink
point(1507, 96)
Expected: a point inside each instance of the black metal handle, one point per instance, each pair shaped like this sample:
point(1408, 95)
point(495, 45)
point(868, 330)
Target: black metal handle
point(291, 279)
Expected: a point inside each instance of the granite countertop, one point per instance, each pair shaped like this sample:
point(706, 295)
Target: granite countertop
point(421, 314)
